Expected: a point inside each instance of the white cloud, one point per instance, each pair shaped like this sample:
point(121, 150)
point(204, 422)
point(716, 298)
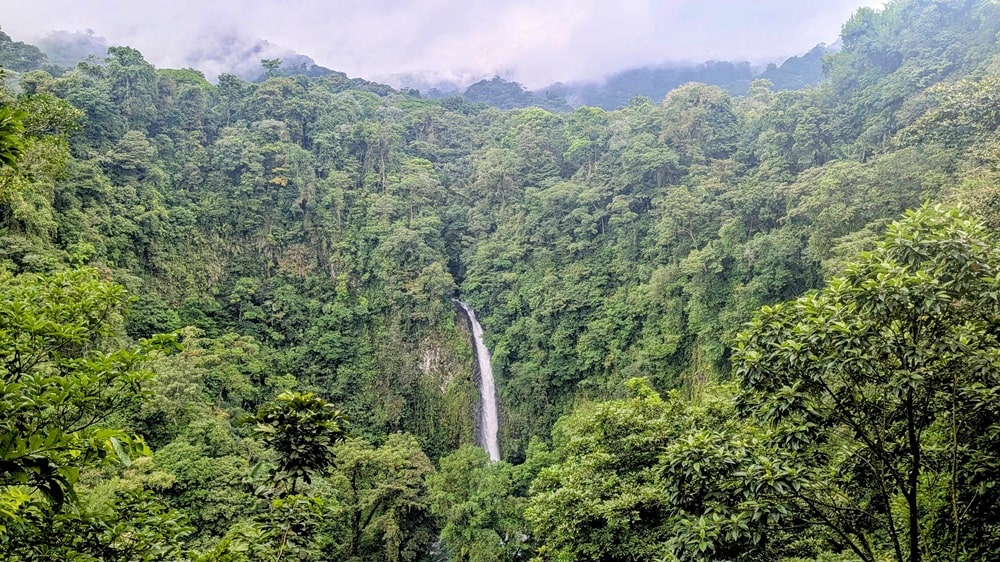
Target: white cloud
point(537, 42)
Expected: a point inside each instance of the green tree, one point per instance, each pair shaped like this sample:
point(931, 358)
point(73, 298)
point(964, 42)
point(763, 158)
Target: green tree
point(11, 128)
point(601, 501)
point(132, 85)
point(386, 510)
point(888, 376)
point(63, 378)
point(302, 429)
point(481, 511)
point(271, 66)
point(671, 478)
point(699, 122)
point(124, 526)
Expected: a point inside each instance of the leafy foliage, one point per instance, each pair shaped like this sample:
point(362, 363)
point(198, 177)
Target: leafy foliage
point(11, 126)
point(386, 512)
point(302, 429)
point(482, 504)
point(63, 380)
point(883, 372)
point(647, 477)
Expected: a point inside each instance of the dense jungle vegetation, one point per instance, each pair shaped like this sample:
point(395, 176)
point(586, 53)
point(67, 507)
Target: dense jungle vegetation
point(227, 329)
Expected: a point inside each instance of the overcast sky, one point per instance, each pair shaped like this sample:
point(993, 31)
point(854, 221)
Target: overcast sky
point(536, 42)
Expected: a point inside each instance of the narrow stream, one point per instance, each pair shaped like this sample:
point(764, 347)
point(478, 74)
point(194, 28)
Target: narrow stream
point(489, 421)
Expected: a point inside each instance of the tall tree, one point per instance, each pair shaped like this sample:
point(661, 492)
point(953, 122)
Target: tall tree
point(888, 377)
point(61, 380)
point(387, 510)
point(303, 429)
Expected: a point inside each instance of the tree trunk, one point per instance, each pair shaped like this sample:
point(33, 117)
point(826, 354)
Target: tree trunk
point(912, 479)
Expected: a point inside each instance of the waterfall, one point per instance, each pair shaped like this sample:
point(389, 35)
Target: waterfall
point(489, 423)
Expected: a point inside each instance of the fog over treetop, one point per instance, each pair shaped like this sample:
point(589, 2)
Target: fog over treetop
point(537, 43)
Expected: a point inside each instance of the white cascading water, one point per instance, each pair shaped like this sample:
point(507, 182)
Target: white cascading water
point(487, 390)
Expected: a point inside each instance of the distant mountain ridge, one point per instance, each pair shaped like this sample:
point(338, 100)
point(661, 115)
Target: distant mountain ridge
point(653, 82)
point(226, 53)
point(232, 53)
